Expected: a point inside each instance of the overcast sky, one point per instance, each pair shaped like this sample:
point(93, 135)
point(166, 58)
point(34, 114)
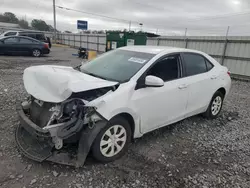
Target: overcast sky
point(167, 17)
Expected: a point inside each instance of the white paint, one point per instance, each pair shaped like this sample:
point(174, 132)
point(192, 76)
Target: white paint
point(155, 107)
point(56, 83)
point(154, 81)
point(137, 60)
point(114, 45)
point(130, 42)
point(150, 107)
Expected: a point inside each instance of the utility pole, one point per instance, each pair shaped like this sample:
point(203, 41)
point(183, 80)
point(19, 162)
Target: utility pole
point(185, 33)
point(54, 14)
point(227, 31)
point(129, 28)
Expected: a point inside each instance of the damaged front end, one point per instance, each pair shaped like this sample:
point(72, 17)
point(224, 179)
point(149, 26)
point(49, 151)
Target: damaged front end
point(49, 131)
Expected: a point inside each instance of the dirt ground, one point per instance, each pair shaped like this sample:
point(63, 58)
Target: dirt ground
point(192, 153)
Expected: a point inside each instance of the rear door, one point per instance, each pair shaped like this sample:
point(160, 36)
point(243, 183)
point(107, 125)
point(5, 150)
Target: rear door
point(201, 82)
point(25, 45)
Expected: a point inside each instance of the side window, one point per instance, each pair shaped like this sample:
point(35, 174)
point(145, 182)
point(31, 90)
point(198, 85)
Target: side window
point(40, 37)
point(23, 34)
point(11, 40)
point(31, 35)
point(167, 69)
point(10, 34)
point(25, 41)
point(209, 65)
point(194, 63)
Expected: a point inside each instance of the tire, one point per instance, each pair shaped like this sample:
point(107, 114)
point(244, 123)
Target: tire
point(36, 53)
point(215, 106)
point(105, 148)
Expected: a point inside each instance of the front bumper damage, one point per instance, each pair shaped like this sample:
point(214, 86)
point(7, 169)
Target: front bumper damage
point(37, 143)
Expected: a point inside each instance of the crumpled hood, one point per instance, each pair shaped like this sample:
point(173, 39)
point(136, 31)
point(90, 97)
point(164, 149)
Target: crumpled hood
point(56, 83)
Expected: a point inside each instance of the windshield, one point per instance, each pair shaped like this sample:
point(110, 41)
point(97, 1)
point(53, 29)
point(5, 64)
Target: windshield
point(117, 65)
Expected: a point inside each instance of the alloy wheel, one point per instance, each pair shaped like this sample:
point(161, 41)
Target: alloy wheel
point(216, 105)
point(36, 53)
point(113, 141)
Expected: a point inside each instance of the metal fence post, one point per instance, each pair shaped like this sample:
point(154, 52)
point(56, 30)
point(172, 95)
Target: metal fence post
point(186, 42)
point(80, 40)
point(224, 52)
point(225, 47)
point(158, 41)
point(68, 39)
point(74, 41)
point(97, 43)
point(87, 42)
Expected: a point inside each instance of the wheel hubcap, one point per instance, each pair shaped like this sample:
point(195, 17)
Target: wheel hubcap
point(216, 105)
point(36, 53)
point(113, 141)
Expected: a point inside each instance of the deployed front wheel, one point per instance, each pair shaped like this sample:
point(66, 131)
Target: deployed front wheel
point(112, 141)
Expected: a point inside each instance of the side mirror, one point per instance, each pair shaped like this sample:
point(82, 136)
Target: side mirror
point(153, 81)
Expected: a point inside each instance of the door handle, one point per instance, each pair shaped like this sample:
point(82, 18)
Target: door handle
point(183, 86)
point(213, 77)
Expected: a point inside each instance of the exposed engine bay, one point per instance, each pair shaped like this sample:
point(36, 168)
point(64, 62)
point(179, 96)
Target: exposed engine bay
point(61, 123)
point(65, 119)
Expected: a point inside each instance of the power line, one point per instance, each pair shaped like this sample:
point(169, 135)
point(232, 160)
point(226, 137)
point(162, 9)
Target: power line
point(165, 25)
point(94, 14)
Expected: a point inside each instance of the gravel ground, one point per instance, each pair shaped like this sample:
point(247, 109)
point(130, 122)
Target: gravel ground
point(192, 153)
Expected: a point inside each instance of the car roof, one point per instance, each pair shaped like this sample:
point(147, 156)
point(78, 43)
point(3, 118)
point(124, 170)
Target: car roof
point(158, 49)
point(20, 37)
point(37, 32)
point(32, 32)
point(10, 31)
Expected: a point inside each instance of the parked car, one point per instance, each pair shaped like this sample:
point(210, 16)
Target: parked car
point(23, 46)
point(32, 34)
point(117, 97)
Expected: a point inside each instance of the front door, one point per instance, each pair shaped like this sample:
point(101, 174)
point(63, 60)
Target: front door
point(159, 106)
point(10, 45)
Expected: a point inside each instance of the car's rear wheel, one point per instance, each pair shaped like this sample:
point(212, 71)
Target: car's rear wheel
point(215, 106)
point(112, 142)
point(36, 53)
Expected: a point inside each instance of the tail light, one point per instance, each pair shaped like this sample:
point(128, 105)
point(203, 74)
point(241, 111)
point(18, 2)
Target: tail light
point(46, 45)
point(229, 73)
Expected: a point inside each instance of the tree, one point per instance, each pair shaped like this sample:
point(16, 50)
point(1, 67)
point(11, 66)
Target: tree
point(23, 24)
point(8, 17)
point(11, 18)
point(40, 25)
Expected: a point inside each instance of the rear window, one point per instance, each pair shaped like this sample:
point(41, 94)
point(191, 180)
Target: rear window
point(40, 37)
point(194, 63)
point(10, 34)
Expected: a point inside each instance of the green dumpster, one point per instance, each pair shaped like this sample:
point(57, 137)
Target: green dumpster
point(116, 39)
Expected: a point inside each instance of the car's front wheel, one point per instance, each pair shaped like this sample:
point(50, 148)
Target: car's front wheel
point(36, 53)
point(215, 105)
point(112, 141)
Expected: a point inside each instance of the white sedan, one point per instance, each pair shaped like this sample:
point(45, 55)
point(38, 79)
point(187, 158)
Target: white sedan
point(117, 97)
